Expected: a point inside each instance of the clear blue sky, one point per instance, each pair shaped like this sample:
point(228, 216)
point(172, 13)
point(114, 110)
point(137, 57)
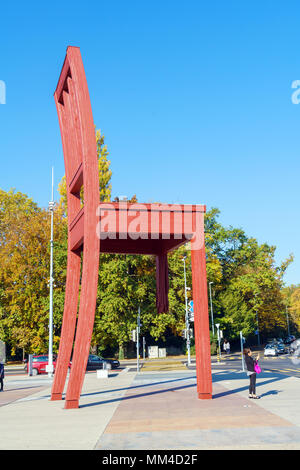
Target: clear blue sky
point(194, 99)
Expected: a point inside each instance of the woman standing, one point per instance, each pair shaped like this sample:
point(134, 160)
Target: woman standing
point(250, 363)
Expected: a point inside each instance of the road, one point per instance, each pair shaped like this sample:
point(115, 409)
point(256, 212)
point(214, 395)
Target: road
point(282, 364)
point(11, 370)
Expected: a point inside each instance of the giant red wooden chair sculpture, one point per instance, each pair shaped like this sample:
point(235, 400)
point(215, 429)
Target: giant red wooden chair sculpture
point(152, 229)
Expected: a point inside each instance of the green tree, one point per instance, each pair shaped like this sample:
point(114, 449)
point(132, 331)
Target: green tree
point(251, 283)
point(105, 174)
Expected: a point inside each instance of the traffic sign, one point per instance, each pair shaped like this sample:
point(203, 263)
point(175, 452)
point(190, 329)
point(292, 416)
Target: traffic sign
point(133, 335)
point(191, 304)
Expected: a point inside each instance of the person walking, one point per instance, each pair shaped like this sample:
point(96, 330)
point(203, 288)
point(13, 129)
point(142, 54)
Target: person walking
point(250, 364)
point(226, 346)
point(1, 376)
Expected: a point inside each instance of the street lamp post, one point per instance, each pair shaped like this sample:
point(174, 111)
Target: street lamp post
point(138, 328)
point(258, 338)
point(187, 324)
point(211, 310)
point(50, 352)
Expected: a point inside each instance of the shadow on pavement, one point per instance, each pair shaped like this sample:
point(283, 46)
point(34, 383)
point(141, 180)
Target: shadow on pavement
point(155, 392)
point(126, 388)
point(22, 388)
point(271, 392)
point(138, 386)
point(218, 377)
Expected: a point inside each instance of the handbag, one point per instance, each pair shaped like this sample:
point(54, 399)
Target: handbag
point(257, 368)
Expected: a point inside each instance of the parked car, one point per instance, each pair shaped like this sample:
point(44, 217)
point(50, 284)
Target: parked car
point(279, 344)
point(39, 363)
point(271, 350)
point(272, 341)
point(289, 339)
point(94, 362)
point(275, 340)
point(281, 348)
point(98, 362)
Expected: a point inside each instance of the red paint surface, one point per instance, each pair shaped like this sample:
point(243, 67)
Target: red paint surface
point(80, 154)
point(152, 229)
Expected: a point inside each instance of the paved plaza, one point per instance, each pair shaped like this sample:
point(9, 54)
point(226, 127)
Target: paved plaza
point(152, 410)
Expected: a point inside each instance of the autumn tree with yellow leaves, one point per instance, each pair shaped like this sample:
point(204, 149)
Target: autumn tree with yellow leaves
point(24, 271)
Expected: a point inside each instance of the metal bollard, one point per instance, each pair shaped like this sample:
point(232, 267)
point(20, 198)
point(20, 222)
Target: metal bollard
point(30, 356)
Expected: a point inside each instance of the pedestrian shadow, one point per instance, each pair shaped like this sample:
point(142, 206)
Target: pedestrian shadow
point(271, 392)
point(246, 387)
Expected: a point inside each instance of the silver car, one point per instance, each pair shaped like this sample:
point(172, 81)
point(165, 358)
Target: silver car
point(271, 350)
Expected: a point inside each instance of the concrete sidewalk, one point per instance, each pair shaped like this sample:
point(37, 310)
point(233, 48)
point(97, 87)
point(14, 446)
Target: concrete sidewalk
point(153, 410)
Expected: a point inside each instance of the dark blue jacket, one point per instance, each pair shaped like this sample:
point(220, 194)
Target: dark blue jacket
point(1, 371)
